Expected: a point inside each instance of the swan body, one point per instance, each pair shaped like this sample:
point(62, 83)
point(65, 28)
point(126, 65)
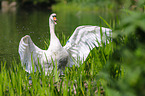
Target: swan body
point(76, 50)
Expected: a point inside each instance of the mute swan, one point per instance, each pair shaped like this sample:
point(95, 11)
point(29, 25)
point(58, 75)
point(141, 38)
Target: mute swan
point(76, 50)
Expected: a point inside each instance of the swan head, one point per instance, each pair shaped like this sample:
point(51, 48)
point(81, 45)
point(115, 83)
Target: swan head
point(52, 18)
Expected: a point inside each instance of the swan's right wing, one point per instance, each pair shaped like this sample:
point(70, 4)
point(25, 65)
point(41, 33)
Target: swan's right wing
point(84, 39)
point(29, 53)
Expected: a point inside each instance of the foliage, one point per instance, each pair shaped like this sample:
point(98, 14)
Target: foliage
point(130, 48)
point(85, 5)
point(83, 80)
point(116, 69)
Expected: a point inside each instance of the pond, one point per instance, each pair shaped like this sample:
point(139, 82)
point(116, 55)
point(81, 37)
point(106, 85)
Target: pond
point(15, 25)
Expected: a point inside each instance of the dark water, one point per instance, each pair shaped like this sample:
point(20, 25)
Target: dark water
point(15, 25)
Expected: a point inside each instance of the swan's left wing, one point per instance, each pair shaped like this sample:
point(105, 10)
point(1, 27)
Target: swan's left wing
point(84, 39)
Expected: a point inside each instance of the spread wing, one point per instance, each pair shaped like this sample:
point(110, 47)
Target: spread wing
point(27, 51)
point(83, 40)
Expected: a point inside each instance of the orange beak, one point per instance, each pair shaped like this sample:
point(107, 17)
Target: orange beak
point(54, 18)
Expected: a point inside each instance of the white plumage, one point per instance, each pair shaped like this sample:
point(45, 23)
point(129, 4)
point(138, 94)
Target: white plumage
point(76, 50)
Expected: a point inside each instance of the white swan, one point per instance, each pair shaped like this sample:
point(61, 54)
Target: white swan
point(84, 39)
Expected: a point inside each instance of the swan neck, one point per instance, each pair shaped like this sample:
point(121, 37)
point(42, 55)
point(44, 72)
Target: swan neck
point(52, 27)
point(54, 41)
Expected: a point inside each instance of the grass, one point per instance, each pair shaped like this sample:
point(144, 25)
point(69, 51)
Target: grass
point(114, 69)
point(83, 80)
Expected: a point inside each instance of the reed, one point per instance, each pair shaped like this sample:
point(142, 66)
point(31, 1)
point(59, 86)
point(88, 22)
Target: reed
point(114, 69)
point(83, 80)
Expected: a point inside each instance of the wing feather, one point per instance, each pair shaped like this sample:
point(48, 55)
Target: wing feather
point(27, 51)
point(84, 39)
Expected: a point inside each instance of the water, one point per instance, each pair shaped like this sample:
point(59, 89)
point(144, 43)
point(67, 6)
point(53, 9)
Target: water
point(15, 25)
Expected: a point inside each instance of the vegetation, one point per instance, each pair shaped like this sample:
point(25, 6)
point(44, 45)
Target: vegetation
point(115, 69)
point(91, 4)
point(131, 33)
point(83, 80)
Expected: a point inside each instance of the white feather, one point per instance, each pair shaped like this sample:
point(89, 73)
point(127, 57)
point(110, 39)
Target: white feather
point(84, 39)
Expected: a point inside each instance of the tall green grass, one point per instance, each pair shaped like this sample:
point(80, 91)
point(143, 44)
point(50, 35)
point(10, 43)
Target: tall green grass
point(83, 80)
point(114, 69)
